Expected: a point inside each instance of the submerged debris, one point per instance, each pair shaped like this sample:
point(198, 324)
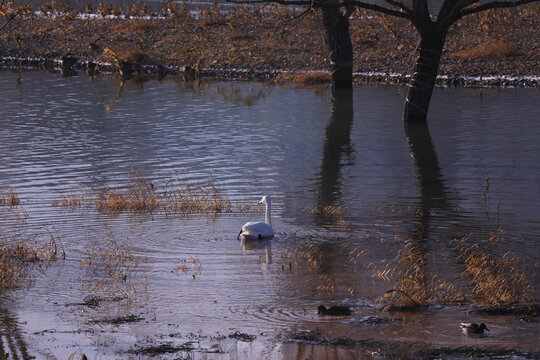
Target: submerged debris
point(93, 301)
point(242, 336)
point(168, 348)
point(118, 320)
point(524, 309)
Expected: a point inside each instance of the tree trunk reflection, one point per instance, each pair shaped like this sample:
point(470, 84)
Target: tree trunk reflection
point(337, 144)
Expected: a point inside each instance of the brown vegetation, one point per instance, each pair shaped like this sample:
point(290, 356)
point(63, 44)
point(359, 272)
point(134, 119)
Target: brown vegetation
point(332, 213)
point(9, 198)
point(305, 78)
point(490, 50)
point(494, 281)
point(22, 254)
point(142, 196)
point(111, 270)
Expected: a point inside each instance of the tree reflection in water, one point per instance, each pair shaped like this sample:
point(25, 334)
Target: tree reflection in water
point(12, 345)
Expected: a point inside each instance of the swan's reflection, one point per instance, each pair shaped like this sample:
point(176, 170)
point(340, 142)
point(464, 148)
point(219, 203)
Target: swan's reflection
point(266, 244)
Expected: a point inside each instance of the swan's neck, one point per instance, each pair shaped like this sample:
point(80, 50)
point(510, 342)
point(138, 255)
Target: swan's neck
point(267, 218)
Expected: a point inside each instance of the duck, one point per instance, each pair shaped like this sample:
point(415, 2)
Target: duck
point(256, 230)
point(335, 310)
point(473, 328)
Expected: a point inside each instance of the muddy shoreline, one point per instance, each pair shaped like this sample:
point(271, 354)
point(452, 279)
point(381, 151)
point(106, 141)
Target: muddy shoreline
point(494, 49)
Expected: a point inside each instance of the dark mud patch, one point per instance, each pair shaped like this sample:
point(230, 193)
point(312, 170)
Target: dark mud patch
point(316, 337)
point(476, 353)
point(374, 320)
point(518, 309)
point(162, 349)
point(95, 301)
point(152, 350)
point(242, 337)
point(403, 350)
point(118, 320)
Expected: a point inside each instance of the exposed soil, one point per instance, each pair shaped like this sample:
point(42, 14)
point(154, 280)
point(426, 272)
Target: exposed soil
point(497, 42)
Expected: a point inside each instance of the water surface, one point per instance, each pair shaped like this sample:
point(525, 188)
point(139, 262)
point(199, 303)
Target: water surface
point(189, 279)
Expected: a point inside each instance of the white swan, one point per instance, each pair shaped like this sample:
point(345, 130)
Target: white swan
point(259, 230)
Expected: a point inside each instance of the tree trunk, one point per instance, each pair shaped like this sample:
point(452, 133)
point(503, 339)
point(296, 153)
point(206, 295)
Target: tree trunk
point(339, 45)
point(423, 79)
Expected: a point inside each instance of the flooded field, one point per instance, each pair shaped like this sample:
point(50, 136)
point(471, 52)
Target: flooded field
point(133, 195)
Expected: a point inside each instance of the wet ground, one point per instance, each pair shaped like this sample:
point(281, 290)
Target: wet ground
point(219, 43)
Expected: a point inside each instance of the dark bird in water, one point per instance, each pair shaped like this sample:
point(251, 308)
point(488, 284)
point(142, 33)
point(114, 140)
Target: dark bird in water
point(334, 310)
point(473, 328)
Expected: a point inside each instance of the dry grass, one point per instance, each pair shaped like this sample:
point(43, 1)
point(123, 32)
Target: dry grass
point(9, 198)
point(305, 78)
point(495, 281)
point(185, 198)
point(495, 49)
point(332, 214)
point(73, 200)
point(314, 258)
point(111, 269)
point(16, 260)
point(413, 287)
point(139, 197)
point(410, 290)
point(192, 265)
point(142, 196)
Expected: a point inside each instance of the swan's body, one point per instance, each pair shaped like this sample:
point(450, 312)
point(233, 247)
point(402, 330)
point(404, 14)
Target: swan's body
point(473, 328)
point(259, 229)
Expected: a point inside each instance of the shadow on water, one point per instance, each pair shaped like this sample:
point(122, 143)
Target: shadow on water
point(12, 345)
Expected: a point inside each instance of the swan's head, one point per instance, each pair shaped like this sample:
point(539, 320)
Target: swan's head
point(265, 200)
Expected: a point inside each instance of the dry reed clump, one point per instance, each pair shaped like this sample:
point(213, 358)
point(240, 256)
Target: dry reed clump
point(189, 265)
point(305, 78)
point(142, 196)
point(187, 198)
point(73, 200)
point(9, 197)
point(413, 287)
point(494, 49)
point(410, 290)
point(332, 213)
point(17, 259)
point(495, 281)
point(139, 197)
point(313, 258)
point(244, 207)
point(111, 269)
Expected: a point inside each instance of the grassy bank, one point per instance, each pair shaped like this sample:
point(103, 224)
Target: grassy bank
point(216, 42)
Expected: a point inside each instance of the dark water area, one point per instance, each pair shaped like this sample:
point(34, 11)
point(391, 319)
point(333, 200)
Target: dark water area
point(186, 281)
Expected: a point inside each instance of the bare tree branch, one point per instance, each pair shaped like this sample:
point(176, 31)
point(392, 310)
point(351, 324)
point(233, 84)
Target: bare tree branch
point(302, 14)
point(399, 5)
point(451, 7)
point(11, 17)
point(328, 4)
point(382, 9)
point(494, 5)
point(463, 9)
